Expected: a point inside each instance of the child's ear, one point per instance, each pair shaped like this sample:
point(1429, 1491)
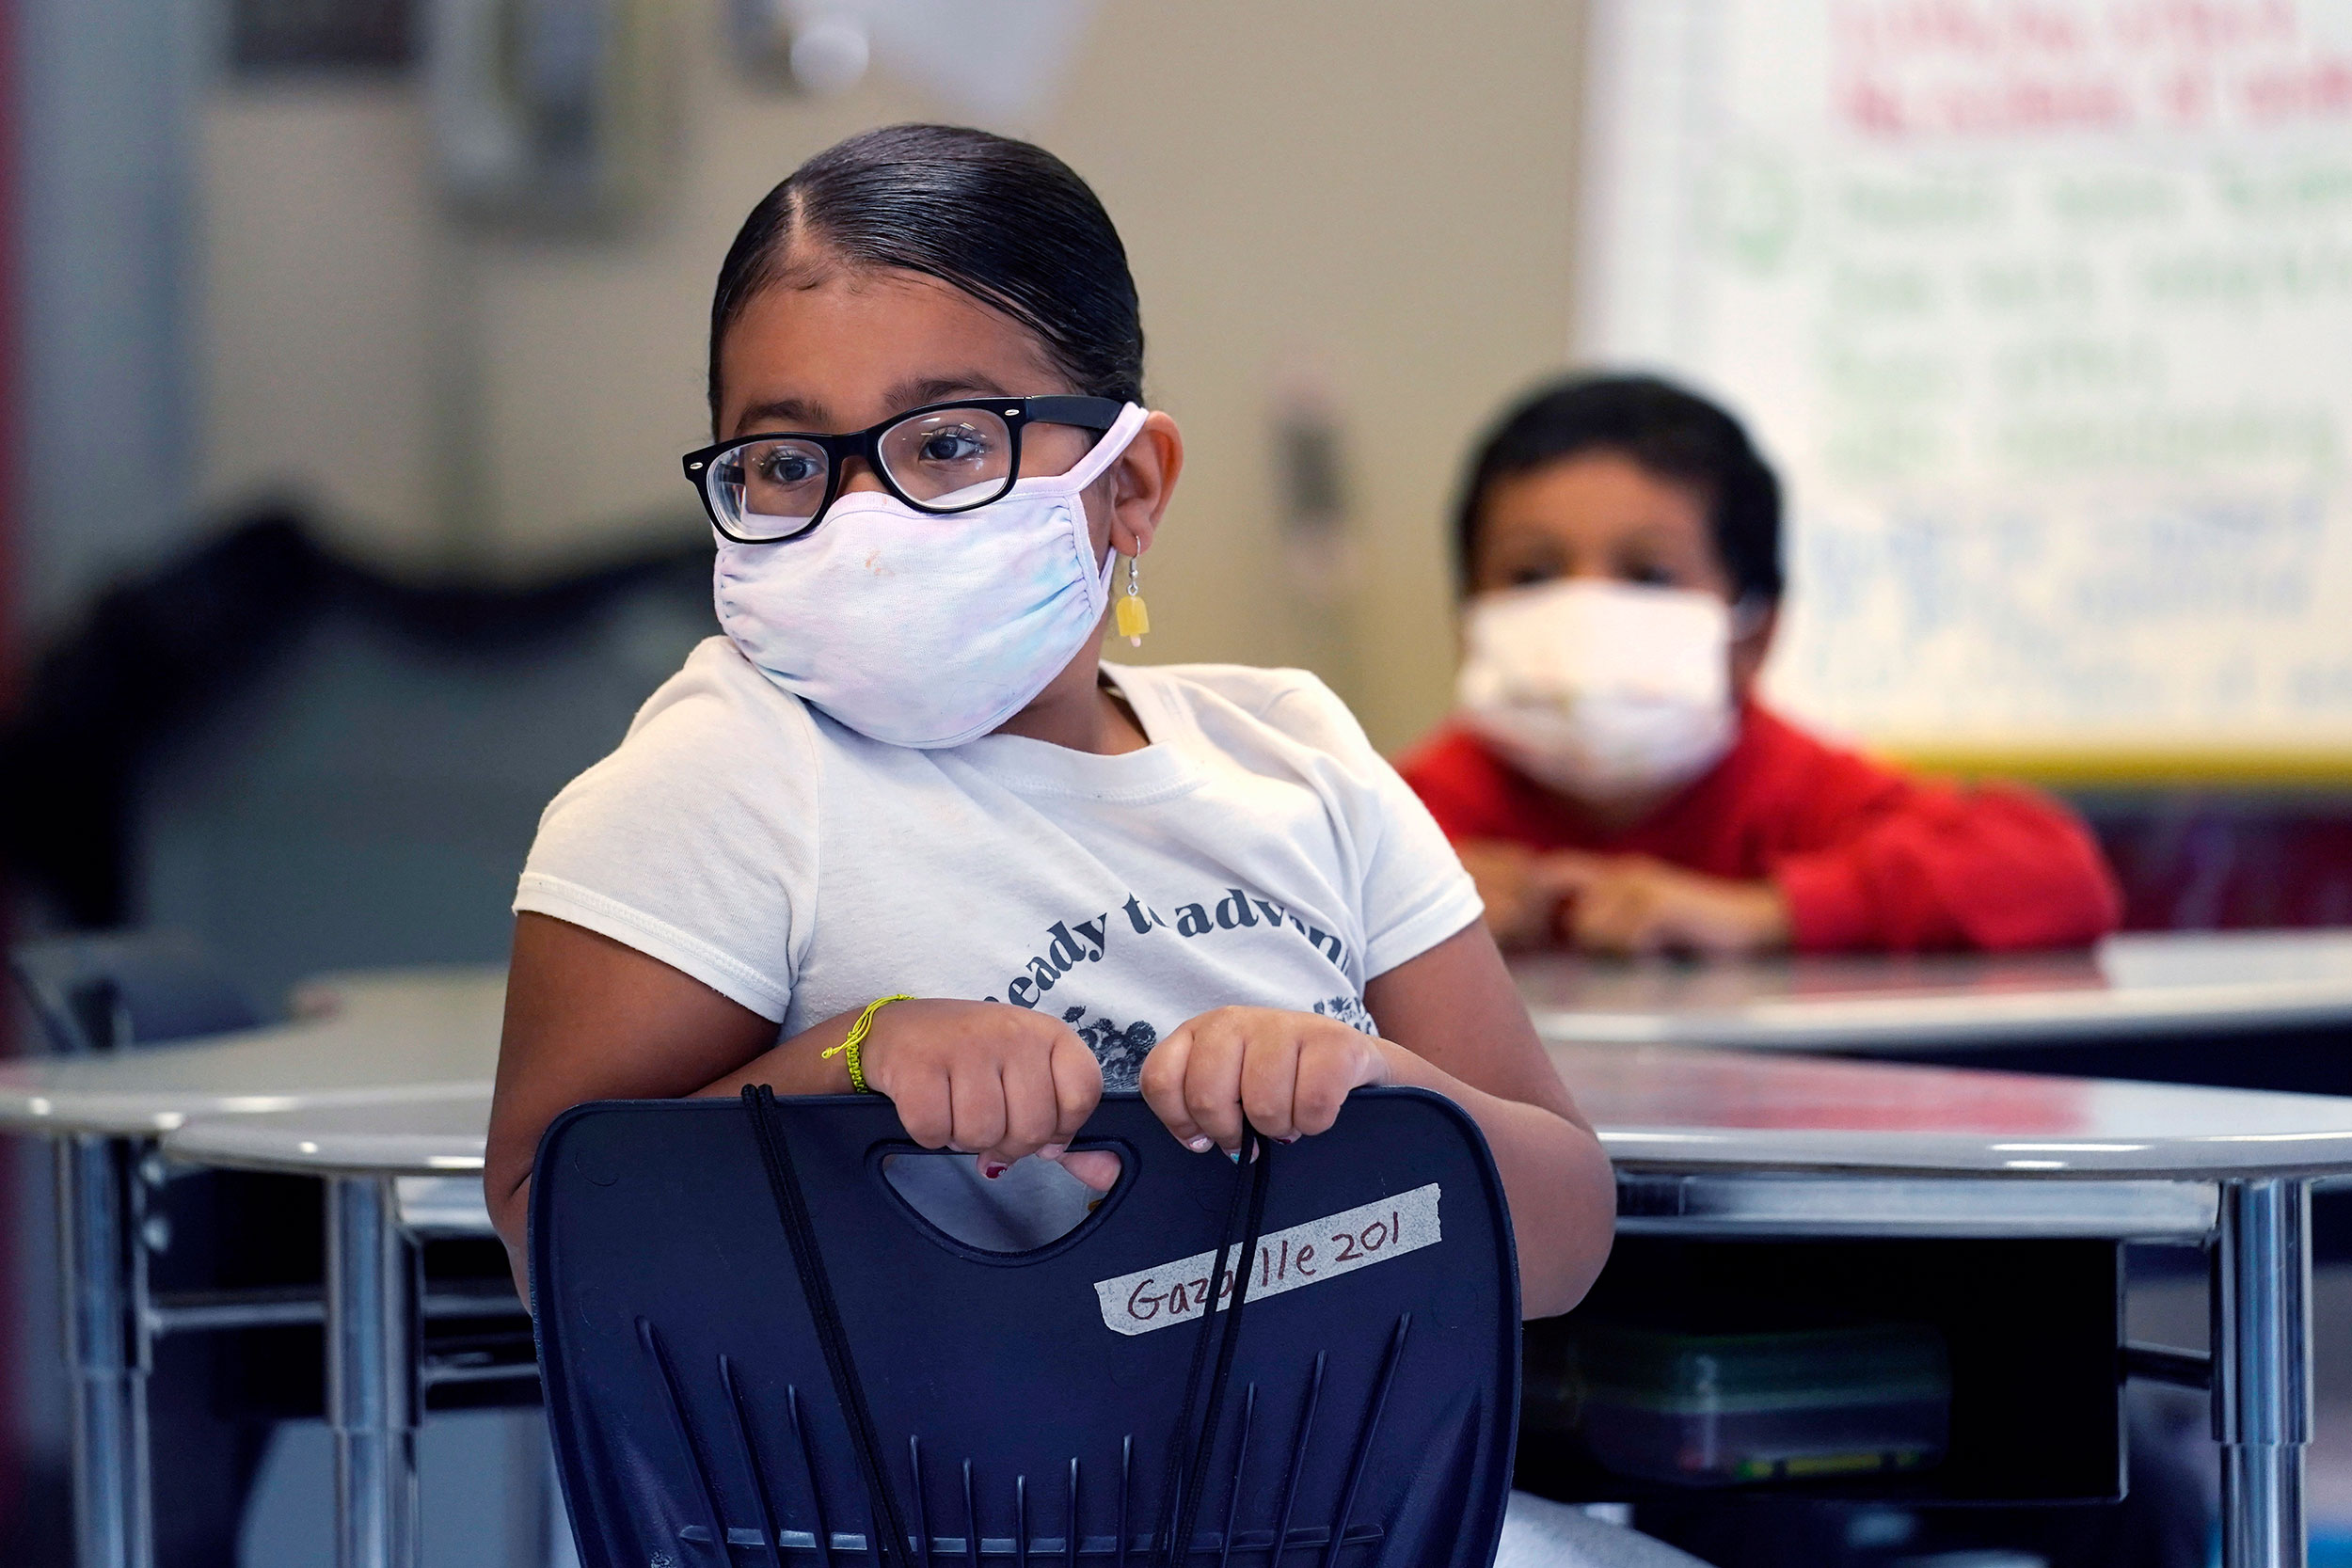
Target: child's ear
point(1141, 482)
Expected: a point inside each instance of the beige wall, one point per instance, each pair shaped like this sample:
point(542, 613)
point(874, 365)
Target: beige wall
point(1379, 191)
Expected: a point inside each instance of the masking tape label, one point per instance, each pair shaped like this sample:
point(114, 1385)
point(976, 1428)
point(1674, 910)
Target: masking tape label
point(1303, 1255)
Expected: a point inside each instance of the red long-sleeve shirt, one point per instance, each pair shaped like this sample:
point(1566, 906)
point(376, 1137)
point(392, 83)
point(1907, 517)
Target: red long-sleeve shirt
point(1866, 856)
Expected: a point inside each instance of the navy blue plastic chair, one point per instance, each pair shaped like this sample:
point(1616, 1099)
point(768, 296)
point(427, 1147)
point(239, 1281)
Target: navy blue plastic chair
point(755, 1350)
point(125, 989)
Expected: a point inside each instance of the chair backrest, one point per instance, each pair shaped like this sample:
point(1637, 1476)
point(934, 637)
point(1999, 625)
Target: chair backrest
point(1027, 1403)
point(126, 989)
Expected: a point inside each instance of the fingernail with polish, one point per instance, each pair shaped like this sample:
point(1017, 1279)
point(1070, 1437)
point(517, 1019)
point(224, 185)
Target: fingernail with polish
point(1234, 1155)
point(992, 1170)
point(1198, 1146)
point(1287, 1142)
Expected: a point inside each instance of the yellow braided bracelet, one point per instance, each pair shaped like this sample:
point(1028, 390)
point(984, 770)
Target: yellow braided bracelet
point(858, 1032)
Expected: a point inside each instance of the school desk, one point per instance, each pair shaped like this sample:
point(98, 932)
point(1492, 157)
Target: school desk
point(355, 1039)
point(1711, 1146)
point(2140, 991)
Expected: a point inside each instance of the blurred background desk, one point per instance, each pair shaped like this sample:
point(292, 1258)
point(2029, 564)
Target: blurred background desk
point(354, 1036)
point(401, 1171)
point(1719, 1145)
point(363, 1038)
point(2154, 1004)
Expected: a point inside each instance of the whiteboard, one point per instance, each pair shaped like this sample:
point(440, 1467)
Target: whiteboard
point(2043, 311)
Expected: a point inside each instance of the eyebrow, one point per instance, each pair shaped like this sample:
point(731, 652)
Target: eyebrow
point(801, 415)
point(780, 414)
point(915, 394)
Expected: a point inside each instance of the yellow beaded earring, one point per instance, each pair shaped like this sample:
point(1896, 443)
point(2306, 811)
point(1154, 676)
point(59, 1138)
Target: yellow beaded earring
point(1133, 619)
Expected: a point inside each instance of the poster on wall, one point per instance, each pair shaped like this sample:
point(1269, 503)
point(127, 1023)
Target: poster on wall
point(2043, 310)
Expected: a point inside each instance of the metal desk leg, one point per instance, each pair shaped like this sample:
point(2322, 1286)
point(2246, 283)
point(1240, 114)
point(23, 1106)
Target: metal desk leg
point(107, 1350)
point(2261, 1404)
point(373, 1282)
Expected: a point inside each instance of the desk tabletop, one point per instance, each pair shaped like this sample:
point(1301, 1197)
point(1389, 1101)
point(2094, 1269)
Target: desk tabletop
point(355, 1039)
point(1657, 1108)
point(1680, 1108)
point(366, 1037)
point(420, 1133)
point(2128, 987)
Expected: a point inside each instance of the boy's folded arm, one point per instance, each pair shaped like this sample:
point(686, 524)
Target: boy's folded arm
point(1937, 867)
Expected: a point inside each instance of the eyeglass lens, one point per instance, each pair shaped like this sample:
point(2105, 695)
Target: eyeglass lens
point(770, 489)
point(947, 458)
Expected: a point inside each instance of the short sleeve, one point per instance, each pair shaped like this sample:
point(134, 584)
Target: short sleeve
point(1412, 889)
point(695, 841)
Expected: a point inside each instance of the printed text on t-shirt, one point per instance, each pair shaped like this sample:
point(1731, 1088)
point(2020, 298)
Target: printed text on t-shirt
point(1071, 943)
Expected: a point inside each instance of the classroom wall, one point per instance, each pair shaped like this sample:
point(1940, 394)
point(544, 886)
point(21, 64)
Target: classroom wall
point(1364, 208)
point(105, 95)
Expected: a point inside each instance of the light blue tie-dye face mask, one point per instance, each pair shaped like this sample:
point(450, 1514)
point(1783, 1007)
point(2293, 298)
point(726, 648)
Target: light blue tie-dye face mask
point(923, 630)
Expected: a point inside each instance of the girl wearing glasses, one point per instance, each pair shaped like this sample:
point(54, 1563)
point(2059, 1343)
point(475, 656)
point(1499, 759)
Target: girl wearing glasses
point(903, 799)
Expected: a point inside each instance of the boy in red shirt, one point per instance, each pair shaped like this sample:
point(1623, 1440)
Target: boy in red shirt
point(1609, 776)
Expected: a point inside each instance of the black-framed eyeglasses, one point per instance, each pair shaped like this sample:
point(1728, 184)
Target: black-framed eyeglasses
point(942, 458)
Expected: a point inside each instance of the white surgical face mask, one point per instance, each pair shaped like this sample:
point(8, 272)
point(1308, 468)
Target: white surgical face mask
point(1600, 689)
point(923, 630)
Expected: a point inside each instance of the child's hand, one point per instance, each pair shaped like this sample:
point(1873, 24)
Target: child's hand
point(1634, 904)
point(1288, 1073)
point(1520, 900)
point(987, 1079)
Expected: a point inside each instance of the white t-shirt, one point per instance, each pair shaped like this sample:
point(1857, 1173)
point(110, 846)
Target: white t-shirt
point(1257, 852)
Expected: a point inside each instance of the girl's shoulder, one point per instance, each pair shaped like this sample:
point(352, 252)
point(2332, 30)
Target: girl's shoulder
point(717, 697)
point(717, 725)
point(1240, 701)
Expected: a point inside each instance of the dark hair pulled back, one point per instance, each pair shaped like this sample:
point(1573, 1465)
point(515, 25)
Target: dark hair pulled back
point(1005, 221)
point(1671, 433)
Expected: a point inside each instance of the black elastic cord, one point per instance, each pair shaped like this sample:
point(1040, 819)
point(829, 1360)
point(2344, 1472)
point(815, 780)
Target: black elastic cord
point(792, 1207)
point(1196, 1487)
point(1180, 1445)
point(1189, 1454)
